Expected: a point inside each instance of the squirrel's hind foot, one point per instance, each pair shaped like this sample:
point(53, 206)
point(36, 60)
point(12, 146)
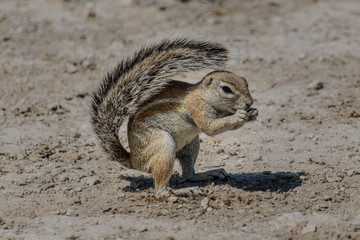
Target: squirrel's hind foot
point(188, 192)
point(211, 175)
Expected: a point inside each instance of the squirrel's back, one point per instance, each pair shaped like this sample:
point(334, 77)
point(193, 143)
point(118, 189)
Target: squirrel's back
point(140, 77)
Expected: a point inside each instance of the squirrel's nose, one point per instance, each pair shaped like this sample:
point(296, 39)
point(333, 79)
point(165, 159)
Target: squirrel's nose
point(249, 102)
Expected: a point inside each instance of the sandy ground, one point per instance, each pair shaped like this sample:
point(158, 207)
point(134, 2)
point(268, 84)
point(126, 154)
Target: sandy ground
point(295, 170)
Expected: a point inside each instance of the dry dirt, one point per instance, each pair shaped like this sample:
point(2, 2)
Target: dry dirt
point(295, 170)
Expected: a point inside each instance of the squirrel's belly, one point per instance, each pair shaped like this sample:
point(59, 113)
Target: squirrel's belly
point(168, 116)
point(185, 137)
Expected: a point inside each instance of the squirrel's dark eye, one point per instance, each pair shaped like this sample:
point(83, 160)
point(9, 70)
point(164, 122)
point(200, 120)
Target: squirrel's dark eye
point(226, 89)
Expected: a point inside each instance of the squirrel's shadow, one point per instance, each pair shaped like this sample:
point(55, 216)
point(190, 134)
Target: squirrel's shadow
point(259, 181)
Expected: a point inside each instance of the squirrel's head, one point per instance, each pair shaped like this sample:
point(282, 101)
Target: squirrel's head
point(226, 92)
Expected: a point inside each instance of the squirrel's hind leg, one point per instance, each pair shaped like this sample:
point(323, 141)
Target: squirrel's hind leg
point(187, 157)
point(162, 161)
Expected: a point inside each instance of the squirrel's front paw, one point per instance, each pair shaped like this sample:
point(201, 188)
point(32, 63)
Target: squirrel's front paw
point(253, 113)
point(243, 115)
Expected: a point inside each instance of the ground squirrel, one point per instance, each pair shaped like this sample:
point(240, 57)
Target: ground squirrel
point(167, 116)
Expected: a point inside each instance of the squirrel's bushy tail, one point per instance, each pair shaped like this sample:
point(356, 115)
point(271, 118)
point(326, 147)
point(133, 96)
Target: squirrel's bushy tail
point(140, 77)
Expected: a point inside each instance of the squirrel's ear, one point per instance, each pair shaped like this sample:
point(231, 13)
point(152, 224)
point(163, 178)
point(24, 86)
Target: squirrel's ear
point(207, 82)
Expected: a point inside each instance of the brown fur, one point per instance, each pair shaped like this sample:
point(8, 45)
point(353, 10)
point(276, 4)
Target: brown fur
point(166, 116)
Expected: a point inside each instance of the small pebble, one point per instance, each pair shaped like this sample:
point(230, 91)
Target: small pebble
point(92, 181)
point(309, 228)
point(71, 213)
point(204, 203)
point(173, 199)
point(70, 68)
